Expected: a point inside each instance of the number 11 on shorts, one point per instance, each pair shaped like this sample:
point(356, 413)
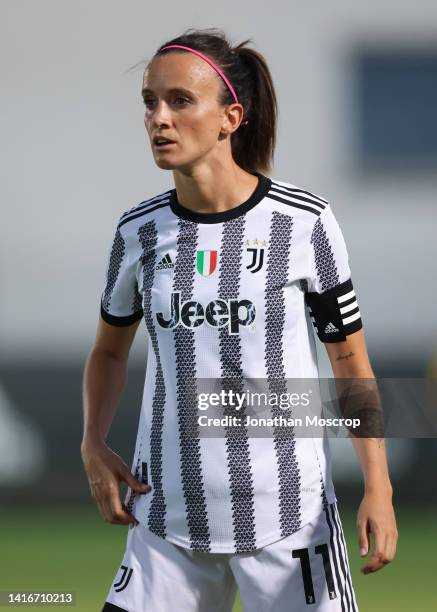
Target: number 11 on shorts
point(305, 566)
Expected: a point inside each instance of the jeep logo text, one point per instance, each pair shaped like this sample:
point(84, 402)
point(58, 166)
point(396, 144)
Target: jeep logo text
point(217, 313)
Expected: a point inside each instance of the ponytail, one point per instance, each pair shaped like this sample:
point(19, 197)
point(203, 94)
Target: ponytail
point(253, 145)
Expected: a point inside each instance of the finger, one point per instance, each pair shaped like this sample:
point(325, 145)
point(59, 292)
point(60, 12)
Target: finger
point(378, 557)
point(392, 544)
point(119, 515)
point(363, 538)
point(126, 509)
point(135, 485)
point(101, 505)
point(104, 494)
point(388, 552)
point(97, 492)
point(95, 484)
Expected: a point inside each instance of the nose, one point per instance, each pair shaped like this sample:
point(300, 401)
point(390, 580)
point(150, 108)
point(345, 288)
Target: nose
point(160, 115)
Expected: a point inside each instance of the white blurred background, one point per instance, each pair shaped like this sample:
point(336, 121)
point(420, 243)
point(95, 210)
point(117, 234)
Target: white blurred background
point(75, 152)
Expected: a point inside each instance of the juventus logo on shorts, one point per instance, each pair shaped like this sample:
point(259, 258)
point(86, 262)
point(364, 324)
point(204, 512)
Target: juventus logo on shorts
point(124, 580)
point(257, 260)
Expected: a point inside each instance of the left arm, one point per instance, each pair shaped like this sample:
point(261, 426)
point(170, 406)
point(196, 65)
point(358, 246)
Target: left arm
point(349, 359)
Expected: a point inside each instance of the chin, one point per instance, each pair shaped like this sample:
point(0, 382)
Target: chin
point(173, 163)
point(165, 164)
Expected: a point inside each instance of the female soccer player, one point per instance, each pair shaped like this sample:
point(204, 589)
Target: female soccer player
point(231, 269)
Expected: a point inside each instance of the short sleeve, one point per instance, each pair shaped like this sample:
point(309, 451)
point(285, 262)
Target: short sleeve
point(121, 302)
point(329, 292)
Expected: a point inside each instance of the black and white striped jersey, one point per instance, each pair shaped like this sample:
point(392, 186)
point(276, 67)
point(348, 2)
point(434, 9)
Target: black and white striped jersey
point(229, 294)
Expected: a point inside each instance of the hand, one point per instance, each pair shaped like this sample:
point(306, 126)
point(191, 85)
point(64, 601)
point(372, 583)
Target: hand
point(376, 515)
point(105, 469)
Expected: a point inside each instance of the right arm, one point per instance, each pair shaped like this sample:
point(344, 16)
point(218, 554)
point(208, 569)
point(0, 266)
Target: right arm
point(105, 375)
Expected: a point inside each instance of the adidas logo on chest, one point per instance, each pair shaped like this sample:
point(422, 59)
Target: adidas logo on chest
point(165, 263)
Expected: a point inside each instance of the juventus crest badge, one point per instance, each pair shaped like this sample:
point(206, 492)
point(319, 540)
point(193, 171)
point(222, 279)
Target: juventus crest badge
point(256, 248)
point(257, 260)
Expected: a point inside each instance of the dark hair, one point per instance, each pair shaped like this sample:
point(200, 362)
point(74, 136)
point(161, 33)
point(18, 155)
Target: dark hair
point(252, 144)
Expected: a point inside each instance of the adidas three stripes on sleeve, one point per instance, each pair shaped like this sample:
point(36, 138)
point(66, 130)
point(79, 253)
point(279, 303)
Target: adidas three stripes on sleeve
point(330, 295)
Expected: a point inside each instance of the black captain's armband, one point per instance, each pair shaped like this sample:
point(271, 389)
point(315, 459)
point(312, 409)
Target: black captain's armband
point(335, 313)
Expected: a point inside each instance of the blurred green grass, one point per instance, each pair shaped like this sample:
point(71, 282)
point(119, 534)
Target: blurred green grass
point(75, 550)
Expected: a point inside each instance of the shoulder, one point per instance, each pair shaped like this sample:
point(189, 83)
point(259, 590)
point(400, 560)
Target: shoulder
point(298, 201)
point(143, 211)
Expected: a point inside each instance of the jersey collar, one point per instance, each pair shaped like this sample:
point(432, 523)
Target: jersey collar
point(260, 192)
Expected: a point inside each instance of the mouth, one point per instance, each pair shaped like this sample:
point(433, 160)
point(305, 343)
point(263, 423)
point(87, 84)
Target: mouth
point(161, 143)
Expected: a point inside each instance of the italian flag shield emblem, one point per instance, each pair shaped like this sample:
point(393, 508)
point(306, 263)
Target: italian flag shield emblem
point(206, 262)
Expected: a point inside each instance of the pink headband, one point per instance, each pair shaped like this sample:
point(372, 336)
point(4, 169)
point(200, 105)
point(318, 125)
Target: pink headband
point(211, 63)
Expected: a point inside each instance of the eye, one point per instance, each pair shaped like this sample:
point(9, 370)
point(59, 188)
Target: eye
point(150, 101)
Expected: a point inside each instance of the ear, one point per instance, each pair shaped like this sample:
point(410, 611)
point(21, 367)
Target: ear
point(233, 116)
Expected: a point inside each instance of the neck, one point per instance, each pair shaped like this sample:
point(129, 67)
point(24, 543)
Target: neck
point(209, 190)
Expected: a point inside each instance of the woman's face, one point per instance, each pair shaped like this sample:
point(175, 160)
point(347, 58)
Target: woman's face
point(180, 92)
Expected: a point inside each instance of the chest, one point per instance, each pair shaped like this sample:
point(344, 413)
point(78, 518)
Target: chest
point(226, 276)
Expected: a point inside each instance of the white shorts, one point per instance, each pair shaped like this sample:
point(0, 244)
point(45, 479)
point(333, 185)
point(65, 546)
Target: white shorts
point(308, 570)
